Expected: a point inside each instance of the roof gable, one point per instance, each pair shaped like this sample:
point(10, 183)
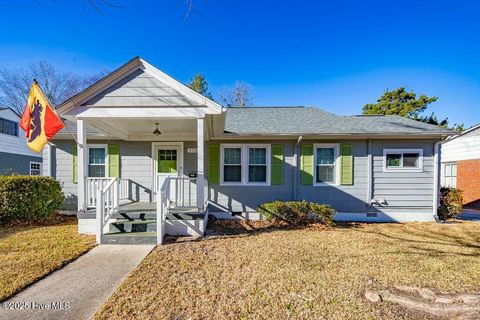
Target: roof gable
point(139, 89)
point(139, 84)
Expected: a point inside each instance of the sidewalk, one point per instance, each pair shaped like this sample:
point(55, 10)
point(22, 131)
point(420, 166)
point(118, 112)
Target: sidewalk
point(79, 289)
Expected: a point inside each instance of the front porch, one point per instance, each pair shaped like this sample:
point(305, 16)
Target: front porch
point(132, 173)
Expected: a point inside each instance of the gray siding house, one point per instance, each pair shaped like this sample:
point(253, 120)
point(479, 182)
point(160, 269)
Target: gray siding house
point(15, 156)
point(143, 156)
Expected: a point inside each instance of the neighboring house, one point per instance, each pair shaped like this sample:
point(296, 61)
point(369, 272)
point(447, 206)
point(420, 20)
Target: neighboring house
point(15, 156)
point(461, 165)
point(152, 150)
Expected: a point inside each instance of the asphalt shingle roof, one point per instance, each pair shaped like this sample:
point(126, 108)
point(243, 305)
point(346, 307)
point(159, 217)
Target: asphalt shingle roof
point(310, 120)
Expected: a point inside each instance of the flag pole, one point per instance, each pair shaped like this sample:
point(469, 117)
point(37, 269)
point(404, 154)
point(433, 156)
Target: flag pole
point(54, 110)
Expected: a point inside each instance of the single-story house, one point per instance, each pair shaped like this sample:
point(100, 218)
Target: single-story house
point(143, 155)
point(15, 156)
point(461, 165)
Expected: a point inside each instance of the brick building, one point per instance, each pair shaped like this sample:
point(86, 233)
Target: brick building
point(461, 165)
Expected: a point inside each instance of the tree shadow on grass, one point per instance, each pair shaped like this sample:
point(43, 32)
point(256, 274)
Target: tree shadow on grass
point(432, 242)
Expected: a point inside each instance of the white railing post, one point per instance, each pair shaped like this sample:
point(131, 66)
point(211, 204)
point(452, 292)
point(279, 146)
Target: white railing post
point(159, 217)
point(100, 215)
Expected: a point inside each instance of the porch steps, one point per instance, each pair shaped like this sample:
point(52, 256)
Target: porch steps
point(140, 226)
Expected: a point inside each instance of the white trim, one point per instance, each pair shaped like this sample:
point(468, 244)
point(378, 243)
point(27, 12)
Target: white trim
point(336, 150)
point(165, 145)
point(39, 168)
point(401, 152)
point(244, 163)
point(97, 146)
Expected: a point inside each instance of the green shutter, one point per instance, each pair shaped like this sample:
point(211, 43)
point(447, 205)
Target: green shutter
point(277, 164)
point(214, 163)
point(306, 164)
point(74, 163)
point(346, 164)
point(113, 160)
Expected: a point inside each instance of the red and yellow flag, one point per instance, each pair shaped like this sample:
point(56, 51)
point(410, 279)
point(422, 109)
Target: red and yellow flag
point(39, 120)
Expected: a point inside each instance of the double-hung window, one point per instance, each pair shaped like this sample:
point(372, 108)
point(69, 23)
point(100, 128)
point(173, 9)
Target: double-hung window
point(403, 160)
point(97, 161)
point(245, 164)
point(326, 164)
point(35, 168)
point(449, 175)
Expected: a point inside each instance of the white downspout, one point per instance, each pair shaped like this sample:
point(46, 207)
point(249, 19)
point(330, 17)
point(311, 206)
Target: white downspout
point(436, 190)
point(369, 175)
point(296, 172)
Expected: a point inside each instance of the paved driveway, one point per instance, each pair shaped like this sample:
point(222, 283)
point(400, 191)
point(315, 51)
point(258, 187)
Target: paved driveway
point(470, 215)
point(80, 288)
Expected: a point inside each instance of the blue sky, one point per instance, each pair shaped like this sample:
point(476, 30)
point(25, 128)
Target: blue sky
point(337, 55)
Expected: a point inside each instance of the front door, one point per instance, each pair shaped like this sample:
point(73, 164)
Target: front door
point(168, 161)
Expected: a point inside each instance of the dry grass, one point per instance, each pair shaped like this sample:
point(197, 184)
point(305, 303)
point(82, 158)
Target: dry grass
point(298, 274)
point(28, 253)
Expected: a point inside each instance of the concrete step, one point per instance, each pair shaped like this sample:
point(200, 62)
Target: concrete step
point(125, 225)
point(129, 238)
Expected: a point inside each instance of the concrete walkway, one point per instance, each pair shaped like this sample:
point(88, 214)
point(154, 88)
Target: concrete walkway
point(79, 289)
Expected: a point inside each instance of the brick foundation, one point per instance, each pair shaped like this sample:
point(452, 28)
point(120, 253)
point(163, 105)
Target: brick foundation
point(468, 180)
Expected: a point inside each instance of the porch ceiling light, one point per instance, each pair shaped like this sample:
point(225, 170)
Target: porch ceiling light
point(156, 131)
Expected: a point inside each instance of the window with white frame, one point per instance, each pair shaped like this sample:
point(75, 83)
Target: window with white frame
point(35, 168)
point(245, 164)
point(403, 160)
point(97, 161)
point(232, 165)
point(450, 175)
point(326, 164)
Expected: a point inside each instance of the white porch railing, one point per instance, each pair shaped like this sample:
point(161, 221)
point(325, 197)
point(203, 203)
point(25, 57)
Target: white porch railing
point(93, 185)
point(163, 204)
point(107, 203)
point(178, 192)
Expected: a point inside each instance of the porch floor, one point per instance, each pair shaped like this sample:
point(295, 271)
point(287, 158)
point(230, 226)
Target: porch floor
point(149, 211)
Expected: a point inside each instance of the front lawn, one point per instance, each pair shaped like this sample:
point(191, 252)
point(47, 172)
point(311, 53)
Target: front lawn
point(299, 274)
point(28, 253)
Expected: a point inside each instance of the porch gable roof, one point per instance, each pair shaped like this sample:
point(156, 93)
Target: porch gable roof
point(138, 84)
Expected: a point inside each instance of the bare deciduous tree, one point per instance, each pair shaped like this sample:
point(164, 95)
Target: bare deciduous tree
point(56, 85)
point(238, 95)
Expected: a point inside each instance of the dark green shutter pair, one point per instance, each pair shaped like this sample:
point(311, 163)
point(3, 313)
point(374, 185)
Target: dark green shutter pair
point(113, 151)
point(346, 164)
point(276, 168)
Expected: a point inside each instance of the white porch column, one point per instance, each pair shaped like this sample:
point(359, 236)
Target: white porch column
point(200, 170)
point(81, 164)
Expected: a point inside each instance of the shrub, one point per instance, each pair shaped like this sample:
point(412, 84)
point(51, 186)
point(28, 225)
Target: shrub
point(29, 198)
point(296, 212)
point(451, 203)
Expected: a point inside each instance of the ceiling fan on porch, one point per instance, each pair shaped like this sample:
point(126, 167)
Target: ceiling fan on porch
point(156, 131)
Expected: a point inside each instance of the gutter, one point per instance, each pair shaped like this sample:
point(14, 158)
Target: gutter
point(436, 177)
point(296, 172)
